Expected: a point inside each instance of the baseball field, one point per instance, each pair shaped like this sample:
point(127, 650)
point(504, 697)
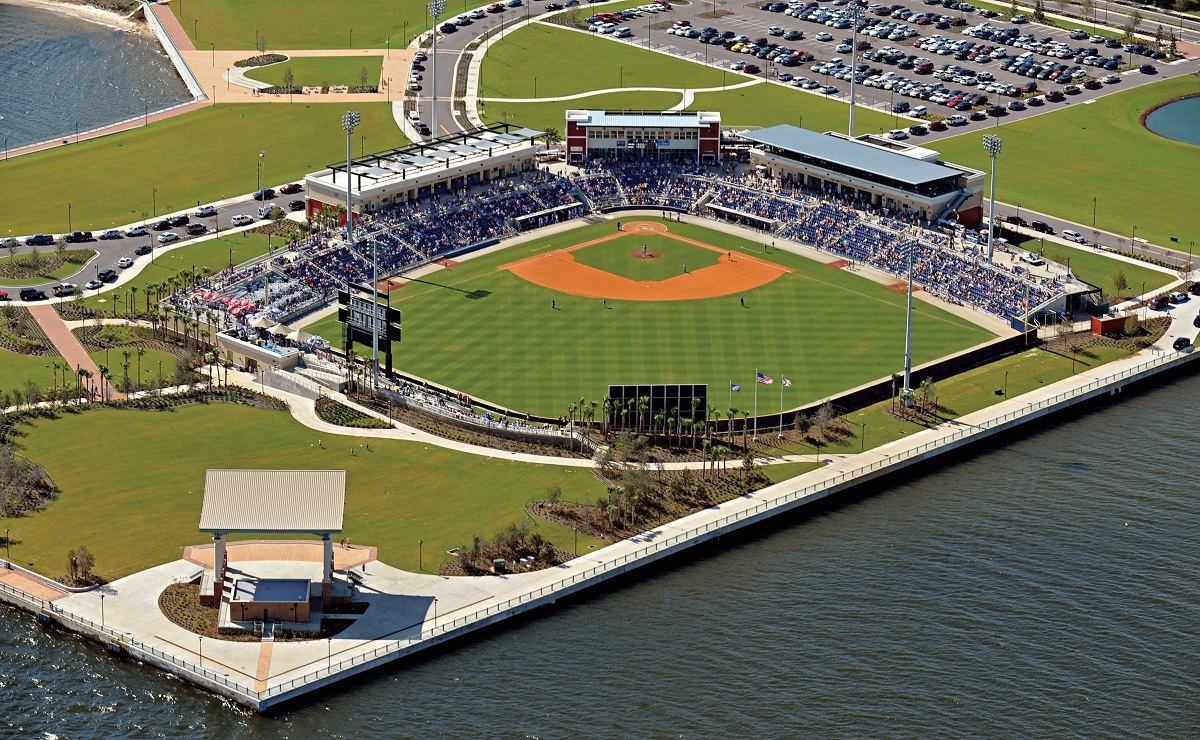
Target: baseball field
point(540, 324)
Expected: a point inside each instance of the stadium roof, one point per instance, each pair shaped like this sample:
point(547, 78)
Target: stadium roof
point(849, 153)
point(642, 120)
point(273, 501)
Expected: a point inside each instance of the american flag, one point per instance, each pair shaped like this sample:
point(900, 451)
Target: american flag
point(765, 379)
point(787, 383)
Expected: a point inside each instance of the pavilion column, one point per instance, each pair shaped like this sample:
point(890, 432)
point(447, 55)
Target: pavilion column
point(327, 570)
point(218, 566)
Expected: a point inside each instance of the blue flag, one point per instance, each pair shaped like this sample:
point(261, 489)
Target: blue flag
point(734, 388)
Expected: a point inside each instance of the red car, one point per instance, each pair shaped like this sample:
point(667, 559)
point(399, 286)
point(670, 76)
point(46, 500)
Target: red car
point(291, 187)
point(937, 126)
point(3, 295)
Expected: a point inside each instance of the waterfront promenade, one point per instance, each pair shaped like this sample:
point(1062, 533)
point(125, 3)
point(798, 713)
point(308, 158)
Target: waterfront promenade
point(412, 611)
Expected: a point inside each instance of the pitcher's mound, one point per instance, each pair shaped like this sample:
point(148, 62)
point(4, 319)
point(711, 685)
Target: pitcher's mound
point(649, 254)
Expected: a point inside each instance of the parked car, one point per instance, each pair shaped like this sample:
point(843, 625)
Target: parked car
point(296, 205)
point(32, 294)
point(64, 289)
point(168, 237)
point(110, 234)
point(94, 285)
point(3, 295)
point(1041, 226)
point(76, 237)
point(196, 229)
point(106, 275)
point(39, 240)
point(180, 220)
point(136, 231)
point(264, 194)
point(161, 225)
point(205, 212)
point(1016, 220)
point(126, 262)
point(1158, 302)
point(1181, 344)
point(291, 187)
point(143, 250)
point(1178, 297)
point(1073, 236)
point(242, 219)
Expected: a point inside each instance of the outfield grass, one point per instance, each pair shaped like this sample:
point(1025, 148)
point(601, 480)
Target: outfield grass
point(132, 483)
point(323, 71)
point(567, 62)
point(621, 257)
point(1099, 269)
point(1057, 162)
point(204, 155)
point(66, 269)
point(212, 254)
point(543, 116)
point(965, 393)
point(824, 329)
point(303, 24)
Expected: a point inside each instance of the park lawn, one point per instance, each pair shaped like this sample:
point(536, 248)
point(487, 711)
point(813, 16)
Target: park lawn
point(784, 471)
point(321, 71)
point(965, 393)
point(16, 370)
point(302, 24)
point(495, 336)
point(1100, 269)
point(566, 62)
point(65, 270)
point(201, 156)
point(544, 116)
point(212, 254)
point(113, 358)
point(770, 105)
point(132, 481)
point(622, 257)
point(1098, 150)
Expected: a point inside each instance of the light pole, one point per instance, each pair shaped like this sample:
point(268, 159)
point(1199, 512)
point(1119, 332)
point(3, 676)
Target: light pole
point(69, 217)
point(349, 122)
point(7, 546)
point(262, 167)
point(101, 610)
point(201, 650)
point(535, 86)
point(1093, 215)
point(992, 144)
point(1142, 296)
point(436, 8)
point(389, 47)
point(853, 58)
point(374, 314)
point(421, 554)
point(907, 392)
point(434, 614)
point(1006, 384)
point(351, 38)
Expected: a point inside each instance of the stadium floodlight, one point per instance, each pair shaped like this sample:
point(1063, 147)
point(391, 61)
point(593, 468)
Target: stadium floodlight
point(907, 394)
point(436, 8)
point(854, 18)
point(992, 144)
point(350, 121)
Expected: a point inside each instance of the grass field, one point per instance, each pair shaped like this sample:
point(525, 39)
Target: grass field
point(304, 24)
point(547, 115)
point(132, 483)
point(1136, 176)
point(576, 62)
point(770, 105)
point(200, 156)
point(16, 370)
point(1098, 269)
point(323, 71)
point(114, 358)
point(965, 393)
point(619, 257)
point(66, 269)
point(824, 329)
point(212, 254)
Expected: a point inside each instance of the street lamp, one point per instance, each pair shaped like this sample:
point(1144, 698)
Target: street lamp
point(535, 86)
point(421, 554)
point(201, 650)
point(349, 122)
point(69, 217)
point(992, 144)
point(101, 610)
point(436, 8)
point(7, 545)
point(262, 168)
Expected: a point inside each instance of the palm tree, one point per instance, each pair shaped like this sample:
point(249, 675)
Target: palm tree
point(731, 416)
point(133, 300)
point(592, 406)
point(570, 419)
point(126, 354)
point(685, 427)
point(103, 377)
point(713, 415)
point(140, 351)
point(695, 405)
point(643, 404)
point(607, 404)
point(745, 424)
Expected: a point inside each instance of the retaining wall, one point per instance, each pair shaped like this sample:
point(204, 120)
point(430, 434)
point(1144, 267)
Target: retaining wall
point(181, 66)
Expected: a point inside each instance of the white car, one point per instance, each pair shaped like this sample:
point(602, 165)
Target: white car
point(205, 212)
point(165, 238)
point(7, 241)
point(824, 36)
point(242, 219)
point(136, 231)
point(110, 234)
point(126, 262)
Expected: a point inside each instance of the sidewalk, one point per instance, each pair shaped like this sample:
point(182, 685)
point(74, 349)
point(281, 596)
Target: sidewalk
point(66, 343)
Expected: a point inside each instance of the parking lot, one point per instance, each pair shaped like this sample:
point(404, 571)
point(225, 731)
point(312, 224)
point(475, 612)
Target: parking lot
point(988, 70)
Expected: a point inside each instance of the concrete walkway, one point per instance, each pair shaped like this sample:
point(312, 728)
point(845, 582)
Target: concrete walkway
point(67, 344)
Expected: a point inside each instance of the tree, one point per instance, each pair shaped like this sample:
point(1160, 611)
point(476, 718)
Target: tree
point(261, 44)
point(1132, 325)
point(552, 135)
point(362, 77)
point(1089, 9)
point(1039, 11)
point(1160, 37)
point(731, 416)
point(823, 416)
point(60, 246)
point(289, 79)
point(1120, 282)
point(140, 351)
point(553, 494)
point(12, 250)
point(1012, 9)
point(1134, 19)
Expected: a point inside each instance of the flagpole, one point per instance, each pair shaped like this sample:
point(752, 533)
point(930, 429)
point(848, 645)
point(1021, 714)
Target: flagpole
point(781, 379)
point(756, 384)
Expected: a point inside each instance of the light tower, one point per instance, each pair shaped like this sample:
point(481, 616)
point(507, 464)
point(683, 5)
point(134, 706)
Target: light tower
point(349, 122)
point(906, 393)
point(992, 144)
point(436, 8)
point(853, 59)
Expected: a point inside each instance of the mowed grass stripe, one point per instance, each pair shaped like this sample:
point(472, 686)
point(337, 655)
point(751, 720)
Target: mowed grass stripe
point(827, 329)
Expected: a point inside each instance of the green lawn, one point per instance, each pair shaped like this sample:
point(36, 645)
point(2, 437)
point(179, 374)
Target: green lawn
point(623, 257)
point(204, 155)
point(566, 62)
point(323, 71)
point(1098, 269)
point(114, 358)
point(132, 483)
point(16, 370)
point(303, 24)
point(66, 269)
point(213, 254)
point(543, 116)
point(824, 329)
point(1101, 151)
point(770, 105)
point(965, 393)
